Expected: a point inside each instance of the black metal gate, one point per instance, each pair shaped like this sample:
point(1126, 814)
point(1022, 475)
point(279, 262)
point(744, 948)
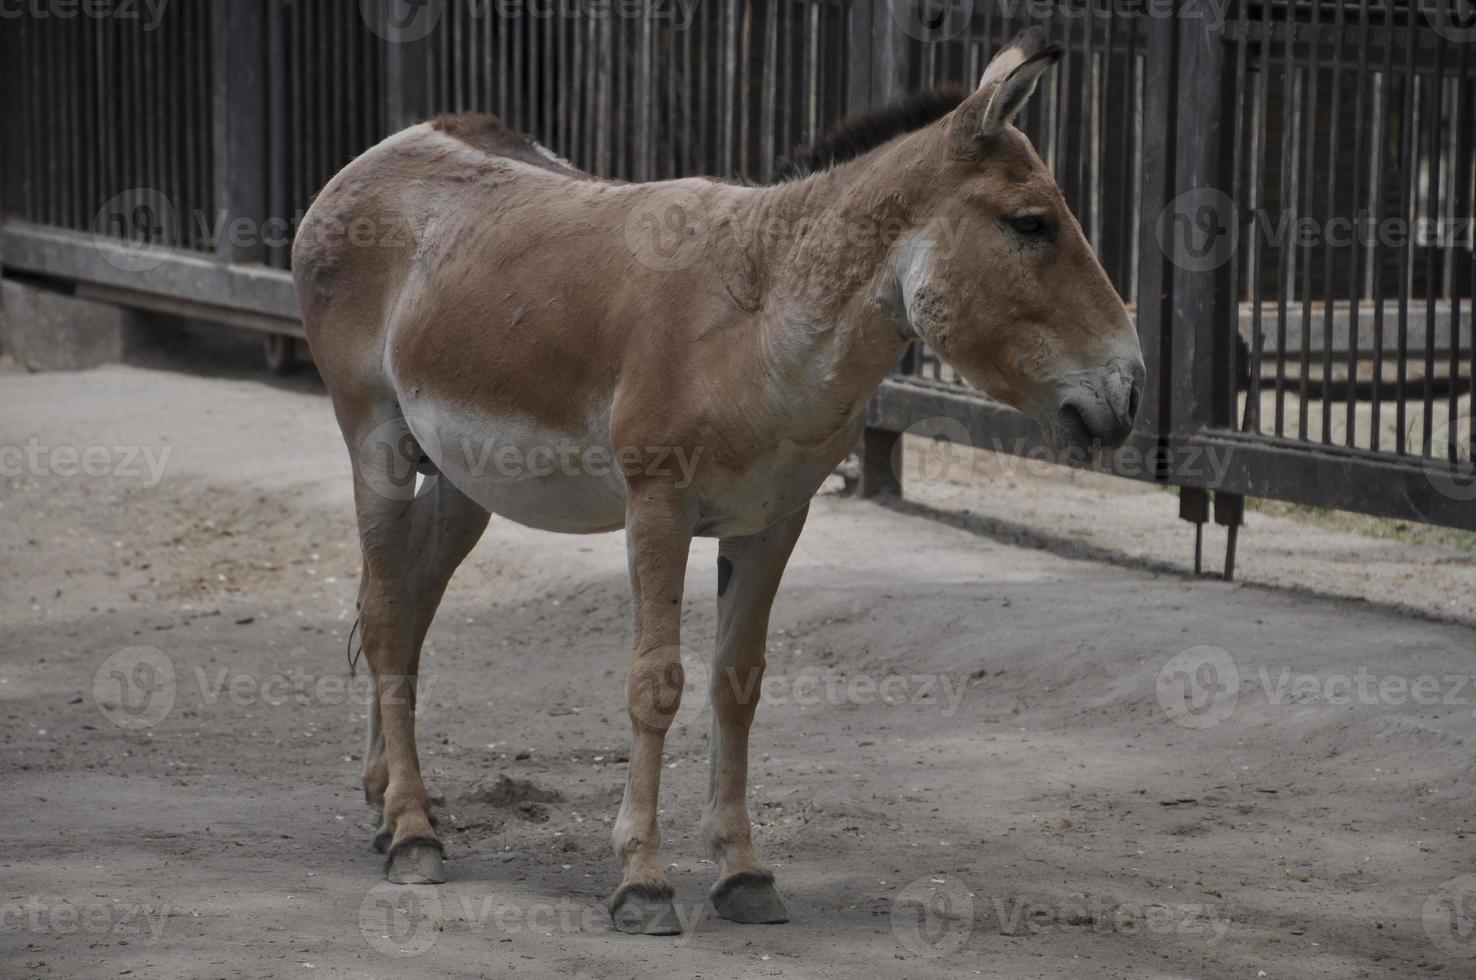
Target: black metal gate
point(1282, 190)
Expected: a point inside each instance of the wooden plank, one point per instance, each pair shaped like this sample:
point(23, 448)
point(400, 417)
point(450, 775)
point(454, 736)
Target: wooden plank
point(182, 275)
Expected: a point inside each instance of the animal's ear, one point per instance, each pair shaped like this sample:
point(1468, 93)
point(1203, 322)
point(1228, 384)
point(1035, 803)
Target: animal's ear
point(1008, 81)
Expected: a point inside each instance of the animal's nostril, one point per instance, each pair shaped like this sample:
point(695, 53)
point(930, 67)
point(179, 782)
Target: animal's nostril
point(1133, 397)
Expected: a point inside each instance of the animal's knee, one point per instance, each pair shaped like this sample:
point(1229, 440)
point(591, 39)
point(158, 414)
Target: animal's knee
point(653, 688)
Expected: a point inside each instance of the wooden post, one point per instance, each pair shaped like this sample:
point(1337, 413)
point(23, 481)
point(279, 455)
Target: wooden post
point(239, 136)
point(1199, 298)
point(879, 474)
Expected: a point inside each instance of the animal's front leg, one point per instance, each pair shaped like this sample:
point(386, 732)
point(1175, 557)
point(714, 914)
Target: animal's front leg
point(659, 534)
point(749, 570)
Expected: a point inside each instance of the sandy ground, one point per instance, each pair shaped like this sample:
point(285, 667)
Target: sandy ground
point(1006, 734)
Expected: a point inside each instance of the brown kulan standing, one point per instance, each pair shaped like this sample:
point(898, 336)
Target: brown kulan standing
point(679, 358)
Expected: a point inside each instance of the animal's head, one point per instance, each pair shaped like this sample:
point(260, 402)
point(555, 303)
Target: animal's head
point(998, 278)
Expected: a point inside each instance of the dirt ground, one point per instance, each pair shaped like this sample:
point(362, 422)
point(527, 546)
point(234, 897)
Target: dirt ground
point(1005, 733)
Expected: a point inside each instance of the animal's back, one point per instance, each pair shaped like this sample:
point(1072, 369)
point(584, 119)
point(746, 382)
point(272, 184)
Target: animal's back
point(360, 240)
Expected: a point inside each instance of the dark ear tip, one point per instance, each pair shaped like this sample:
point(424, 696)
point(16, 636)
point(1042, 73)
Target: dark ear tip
point(1032, 39)
point(1034, 44)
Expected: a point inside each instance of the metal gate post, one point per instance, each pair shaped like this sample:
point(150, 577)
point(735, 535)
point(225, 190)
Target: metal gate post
point(239, 137)
point(882, 56)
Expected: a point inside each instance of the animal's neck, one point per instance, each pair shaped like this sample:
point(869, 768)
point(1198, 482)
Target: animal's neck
point(833, 319)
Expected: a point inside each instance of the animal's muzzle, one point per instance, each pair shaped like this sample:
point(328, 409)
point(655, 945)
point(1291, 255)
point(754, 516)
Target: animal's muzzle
point(1097, 412)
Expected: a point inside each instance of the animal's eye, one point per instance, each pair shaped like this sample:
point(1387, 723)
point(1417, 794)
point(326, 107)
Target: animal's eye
point(1030, 225)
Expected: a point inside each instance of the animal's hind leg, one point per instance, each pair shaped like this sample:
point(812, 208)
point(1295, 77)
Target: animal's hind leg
point(411, 547)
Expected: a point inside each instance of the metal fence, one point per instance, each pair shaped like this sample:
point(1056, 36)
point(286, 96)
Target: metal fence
point(1281, 190)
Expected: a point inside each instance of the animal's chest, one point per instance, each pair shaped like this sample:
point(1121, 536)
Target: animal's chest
point(775, 483)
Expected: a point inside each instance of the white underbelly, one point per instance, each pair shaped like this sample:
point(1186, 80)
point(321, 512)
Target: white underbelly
point(516, 469)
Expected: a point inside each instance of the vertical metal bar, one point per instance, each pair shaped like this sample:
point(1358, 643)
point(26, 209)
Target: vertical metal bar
point(1377, 175)
point(705, 89)
point(641, 96)
point(67, 125)
point(1154, 290)
point(550, 79)
point(1291, 128)
point(503, 60)
point(1355, 284)
point(604, 94)
point(766, 103)
point(743, 77)
point(296, 123)
point(1131, 153)
point(1089, 146)
point(1460, 164)
point(1335, 120)
point(278, 206)
point(1437, 86)
point(1258, 204)
point(787, 99)
point(890, 59)
point(727, 89)
point(1314, 69)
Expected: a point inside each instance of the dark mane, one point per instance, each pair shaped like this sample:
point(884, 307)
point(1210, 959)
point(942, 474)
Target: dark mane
point(868, 129)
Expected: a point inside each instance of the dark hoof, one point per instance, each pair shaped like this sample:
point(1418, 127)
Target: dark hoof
point(645, 910)
point(382, 841)
point(416, 861)
point(749, 896)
